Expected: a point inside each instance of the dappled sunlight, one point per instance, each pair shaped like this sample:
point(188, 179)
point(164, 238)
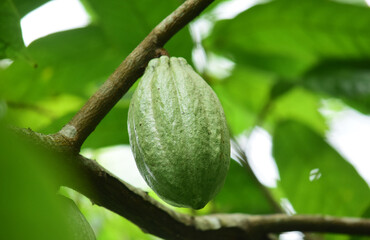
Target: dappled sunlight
point(54, 16)
point(258, 148)
point(291, 236)
point(315, 174)
point(120, 161)
point(349, 134)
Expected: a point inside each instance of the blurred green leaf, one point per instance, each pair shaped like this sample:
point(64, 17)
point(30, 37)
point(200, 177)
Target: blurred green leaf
point(366, 213)
point(27, 115)
point(248, 87)
point(57, 124)
point(77, 223)
point(241, 194)
point(300, 105)
point(112, 130)
point(288, 37)
point(73, 62)
point(28, 204)
point(26, 6)
point(314, 177)
point(106, 224)
point(41, 114)
point(349, 80)
point(243, 96)
point(280, 88)
point(238, 117)
point(11, 41)
point(126, 23)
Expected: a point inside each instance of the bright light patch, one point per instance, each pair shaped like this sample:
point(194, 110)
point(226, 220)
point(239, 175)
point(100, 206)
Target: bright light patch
point(315, 174)
point(4, 63)
point(258, 148)
point(200, 29)
point(120, 161)
point(231, 9)
point(350, 134)
point(287, 206)
point(291, 236)
point(261, 160)
point(218, 66)
point(54, 16)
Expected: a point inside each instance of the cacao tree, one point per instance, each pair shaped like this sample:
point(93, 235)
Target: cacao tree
point(274, 65)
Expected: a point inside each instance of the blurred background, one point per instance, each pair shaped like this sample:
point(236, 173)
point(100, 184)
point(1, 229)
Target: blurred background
point(293, 78)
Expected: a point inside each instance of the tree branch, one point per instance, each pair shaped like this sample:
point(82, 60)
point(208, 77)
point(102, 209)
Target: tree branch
point(104, 189)
point(90, 115)
point(310, 223)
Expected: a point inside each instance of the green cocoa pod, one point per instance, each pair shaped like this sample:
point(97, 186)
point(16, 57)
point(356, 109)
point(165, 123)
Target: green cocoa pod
point(178, 134)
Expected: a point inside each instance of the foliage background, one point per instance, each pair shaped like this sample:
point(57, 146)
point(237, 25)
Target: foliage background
point(275, 65)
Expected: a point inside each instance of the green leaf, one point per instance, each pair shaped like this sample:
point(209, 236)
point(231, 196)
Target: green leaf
point(127, 23)
point(112, 130)
point(300, 105)
point(366, 213)
point(314, 177)
point(106, 224)
point(241, 193)
point(280, 88)
point(57, 124)
point(11, 41)
point(288, 37)
point(78, 225)
point(238, 117)
point(348, 80)
point(28, 204)
point(26, 6)
point(243, 96)
point(249, 87)
point(73, 62)
point(39, 115)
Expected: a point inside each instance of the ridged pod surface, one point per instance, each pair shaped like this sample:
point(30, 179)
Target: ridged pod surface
point(178, 134)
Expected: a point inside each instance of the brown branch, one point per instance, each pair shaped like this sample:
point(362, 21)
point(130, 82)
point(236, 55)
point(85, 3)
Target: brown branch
point(106, 190)
point(86, 120)
point(103, 188)
point(310, 223)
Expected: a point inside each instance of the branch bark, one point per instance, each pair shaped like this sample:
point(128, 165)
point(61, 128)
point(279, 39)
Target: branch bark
point(105, 190)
